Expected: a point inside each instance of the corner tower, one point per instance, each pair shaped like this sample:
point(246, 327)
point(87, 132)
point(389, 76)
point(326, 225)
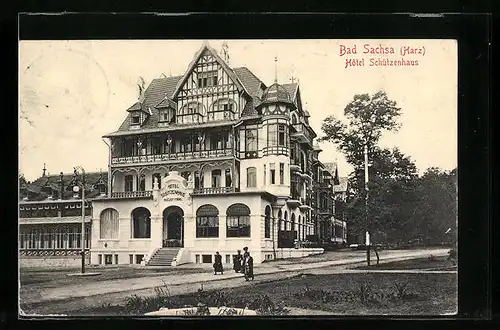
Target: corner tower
point(275, 108)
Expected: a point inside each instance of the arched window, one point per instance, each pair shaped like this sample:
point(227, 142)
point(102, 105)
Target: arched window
point(222, 109)
point(251, 177)
point(238, 220)
point(285, 218)
point(108, 224)
point(141, 223)
point(207, 221)
point(293, 225)
point(267, 222)
point(192, 108)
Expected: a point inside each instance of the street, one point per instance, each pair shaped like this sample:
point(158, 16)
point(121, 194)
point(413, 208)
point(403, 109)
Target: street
point(42, 300)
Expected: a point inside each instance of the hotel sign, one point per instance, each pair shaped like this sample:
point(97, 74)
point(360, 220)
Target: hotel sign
point(173, 193)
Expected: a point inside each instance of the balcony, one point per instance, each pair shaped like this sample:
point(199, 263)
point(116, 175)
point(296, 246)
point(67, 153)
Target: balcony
point(303, 133)
point(294, 165)
point(306, 175)
point(132, 194)
point(214, 191)
point(205, 154)
point(294, 201)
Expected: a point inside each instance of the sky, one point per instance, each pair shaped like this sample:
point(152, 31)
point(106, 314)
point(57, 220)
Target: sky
point(74, 92)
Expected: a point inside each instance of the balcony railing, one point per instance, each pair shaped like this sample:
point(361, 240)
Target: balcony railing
point(173, 156)
point(131, 194)
point(214, 190)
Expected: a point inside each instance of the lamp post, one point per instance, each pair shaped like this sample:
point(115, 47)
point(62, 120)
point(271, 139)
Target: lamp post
point(76, 189)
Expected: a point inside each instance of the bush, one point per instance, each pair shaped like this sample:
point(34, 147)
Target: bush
point(264, 305)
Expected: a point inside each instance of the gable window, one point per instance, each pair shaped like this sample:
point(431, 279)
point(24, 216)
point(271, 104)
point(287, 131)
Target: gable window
point(251, 139)
point(273, 173)
point(251, 177)
point(129, 183)
point(207, 79)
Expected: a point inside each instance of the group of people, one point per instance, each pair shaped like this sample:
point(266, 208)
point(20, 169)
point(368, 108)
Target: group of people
point(241, 264)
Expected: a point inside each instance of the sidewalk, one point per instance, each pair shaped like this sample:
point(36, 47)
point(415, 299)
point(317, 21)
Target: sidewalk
point(136, 284)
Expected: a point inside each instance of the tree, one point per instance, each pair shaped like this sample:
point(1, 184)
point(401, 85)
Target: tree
point(368, 117)
point(436, 205)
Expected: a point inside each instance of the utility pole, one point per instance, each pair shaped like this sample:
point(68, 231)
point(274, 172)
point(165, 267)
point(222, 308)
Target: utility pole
point(366, 206)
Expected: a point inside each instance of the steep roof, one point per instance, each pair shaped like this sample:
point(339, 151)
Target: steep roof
point(203, 50)
point(52, 181)
point(249, 80)
point(291, 89)
point(331, 167)
point(342, 186)
point(156, 92)
point(277, 94)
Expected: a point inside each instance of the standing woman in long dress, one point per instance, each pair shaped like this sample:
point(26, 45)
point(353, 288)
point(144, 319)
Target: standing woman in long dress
point(218, 264)
point(248, 267)
point(237, 261)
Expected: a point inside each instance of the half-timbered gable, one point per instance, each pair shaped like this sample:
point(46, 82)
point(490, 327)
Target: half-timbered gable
point(209, 91)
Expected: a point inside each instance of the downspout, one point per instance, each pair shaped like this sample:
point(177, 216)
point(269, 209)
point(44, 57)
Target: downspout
point(109, 168)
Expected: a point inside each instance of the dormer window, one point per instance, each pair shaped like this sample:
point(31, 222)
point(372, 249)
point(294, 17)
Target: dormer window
point(136, 119)
point(164, 115)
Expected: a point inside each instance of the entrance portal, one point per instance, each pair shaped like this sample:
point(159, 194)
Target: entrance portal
point(173, 227)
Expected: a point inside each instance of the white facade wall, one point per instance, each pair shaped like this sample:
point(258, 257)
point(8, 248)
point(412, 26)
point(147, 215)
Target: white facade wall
point(125, 245)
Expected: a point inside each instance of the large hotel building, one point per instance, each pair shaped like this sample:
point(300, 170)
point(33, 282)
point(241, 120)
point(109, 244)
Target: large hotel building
point(213, 160)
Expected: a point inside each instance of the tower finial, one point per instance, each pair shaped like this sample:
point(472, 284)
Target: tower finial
point(276, 69)
point(44, 169)
point(225, 52)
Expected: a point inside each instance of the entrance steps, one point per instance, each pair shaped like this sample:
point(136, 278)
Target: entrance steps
point(163, 257)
